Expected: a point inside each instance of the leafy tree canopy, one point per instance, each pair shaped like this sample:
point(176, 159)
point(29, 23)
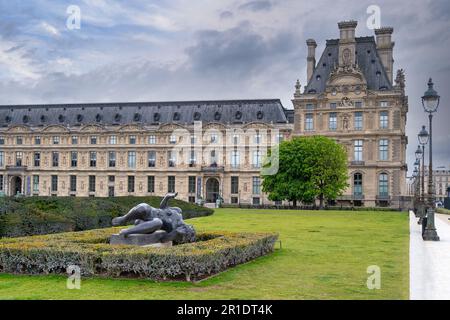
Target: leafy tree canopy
point(310, 168)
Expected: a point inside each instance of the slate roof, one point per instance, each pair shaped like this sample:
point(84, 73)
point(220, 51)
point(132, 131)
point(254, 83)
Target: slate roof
point(367, 59)
point(182, 112)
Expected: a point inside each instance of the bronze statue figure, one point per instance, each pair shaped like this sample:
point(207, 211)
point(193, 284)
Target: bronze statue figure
point(148, 220)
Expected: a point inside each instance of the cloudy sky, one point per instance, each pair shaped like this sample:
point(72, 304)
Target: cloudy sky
point(158, 50)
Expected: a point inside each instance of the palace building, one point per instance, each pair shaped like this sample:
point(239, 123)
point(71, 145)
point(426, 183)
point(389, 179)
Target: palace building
point(211, 149)
point(350, 96)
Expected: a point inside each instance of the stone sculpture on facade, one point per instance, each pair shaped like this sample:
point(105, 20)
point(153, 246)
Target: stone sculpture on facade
point(153, 226)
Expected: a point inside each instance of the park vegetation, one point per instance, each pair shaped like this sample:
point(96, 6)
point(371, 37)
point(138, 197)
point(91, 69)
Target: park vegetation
point(212, 253)
point(310, 169)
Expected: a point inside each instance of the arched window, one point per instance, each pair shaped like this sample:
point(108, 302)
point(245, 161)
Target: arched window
point(357, 184)
point(383, 185)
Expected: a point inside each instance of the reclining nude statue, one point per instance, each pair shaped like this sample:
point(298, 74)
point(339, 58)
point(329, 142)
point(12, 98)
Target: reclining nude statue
point(148, 220)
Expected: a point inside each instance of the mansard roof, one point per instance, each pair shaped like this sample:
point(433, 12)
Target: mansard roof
point(367, 59)
point(182, 112)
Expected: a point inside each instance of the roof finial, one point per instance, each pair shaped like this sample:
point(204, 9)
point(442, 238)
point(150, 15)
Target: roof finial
point(297, 89)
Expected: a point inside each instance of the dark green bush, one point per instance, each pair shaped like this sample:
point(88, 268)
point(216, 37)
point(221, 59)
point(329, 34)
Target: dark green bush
point(212, 253)
point(42, 215)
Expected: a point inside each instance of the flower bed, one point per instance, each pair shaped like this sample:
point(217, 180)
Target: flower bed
point(211, 253)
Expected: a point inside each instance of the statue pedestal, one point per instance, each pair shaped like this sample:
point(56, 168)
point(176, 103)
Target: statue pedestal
point(152, 239)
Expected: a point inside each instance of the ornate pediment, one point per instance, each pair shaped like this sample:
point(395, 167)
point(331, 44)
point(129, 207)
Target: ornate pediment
point(92, 128)
point(171, 127)
point(132, 127)
point(257, 125)
point(18, 129)
point(55, 128)
point(349, 75)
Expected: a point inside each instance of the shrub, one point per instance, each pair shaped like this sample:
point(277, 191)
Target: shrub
point(43, 215)
point(443, 211)
point(90, 250)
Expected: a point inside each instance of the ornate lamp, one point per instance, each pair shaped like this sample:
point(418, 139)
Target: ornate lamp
point(430, 103)
point(423, 136)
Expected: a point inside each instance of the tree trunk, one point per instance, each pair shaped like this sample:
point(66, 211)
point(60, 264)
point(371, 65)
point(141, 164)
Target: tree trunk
point(321, 201)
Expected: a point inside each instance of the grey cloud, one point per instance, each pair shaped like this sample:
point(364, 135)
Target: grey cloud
point(256, 6)
point(238, 51)
point(226, 15)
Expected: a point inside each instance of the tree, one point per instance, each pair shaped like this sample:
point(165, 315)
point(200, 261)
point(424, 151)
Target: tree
point(310, 168)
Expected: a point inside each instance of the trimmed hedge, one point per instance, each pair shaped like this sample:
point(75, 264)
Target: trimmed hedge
point(283, 207)
point(212, 253)
point(42, 215)
point(443, 211)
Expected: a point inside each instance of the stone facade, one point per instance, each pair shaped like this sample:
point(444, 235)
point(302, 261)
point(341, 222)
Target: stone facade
point(350, 98)
point(198, 149)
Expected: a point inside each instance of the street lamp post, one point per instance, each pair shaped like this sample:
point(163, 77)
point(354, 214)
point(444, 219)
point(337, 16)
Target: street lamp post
point(423, 137)
point(430, 103)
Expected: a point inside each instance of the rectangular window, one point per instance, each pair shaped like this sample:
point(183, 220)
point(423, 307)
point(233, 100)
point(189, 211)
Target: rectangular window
point(257, 138)
point(384, 120)
point(235, 159)
point(2, 158)
point(309, 122)
point(256, 185)
point(280, 138)
point(384, 149)
point(234, 200)
point(152, 139)
point(74, 159)
point(93, 159)
point(309, 106)
point(1, 182)
point(35, 184)
point(37, 140)
point(19, 140)
point(384, 104)
point(172, 139)
point(256, 201)
point(93, 140)
point(358, 120)
point(171, 159)
point(358, 150)
point(257, 159)
point(151, 184)
point(74, 140)
point(91, 183)
point(19, 156)
point(2, 140)
point(191, 199)
point(332, 123)
point(54, 186)
point(191, 184)
point(131, 184)
point(357, 184)
point(333, 105)
point(383, 185)
point(234, 185)
point(171, 184)
point(235, 139)
point(192, 158)
point(113, 140)
point(151, 159)
point(131, 159)
point(55, 140)
point(358, 104)
point(132, 139)
point(73, 183)
point(55, 159)
point(112, 159)
point(37, 159)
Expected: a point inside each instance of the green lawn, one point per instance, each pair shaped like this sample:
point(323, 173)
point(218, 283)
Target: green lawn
point(324, 255)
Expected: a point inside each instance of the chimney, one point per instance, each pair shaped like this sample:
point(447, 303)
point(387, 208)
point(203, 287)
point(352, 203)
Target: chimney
point(385, 48)
point(311, 60)
point(347, 43)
